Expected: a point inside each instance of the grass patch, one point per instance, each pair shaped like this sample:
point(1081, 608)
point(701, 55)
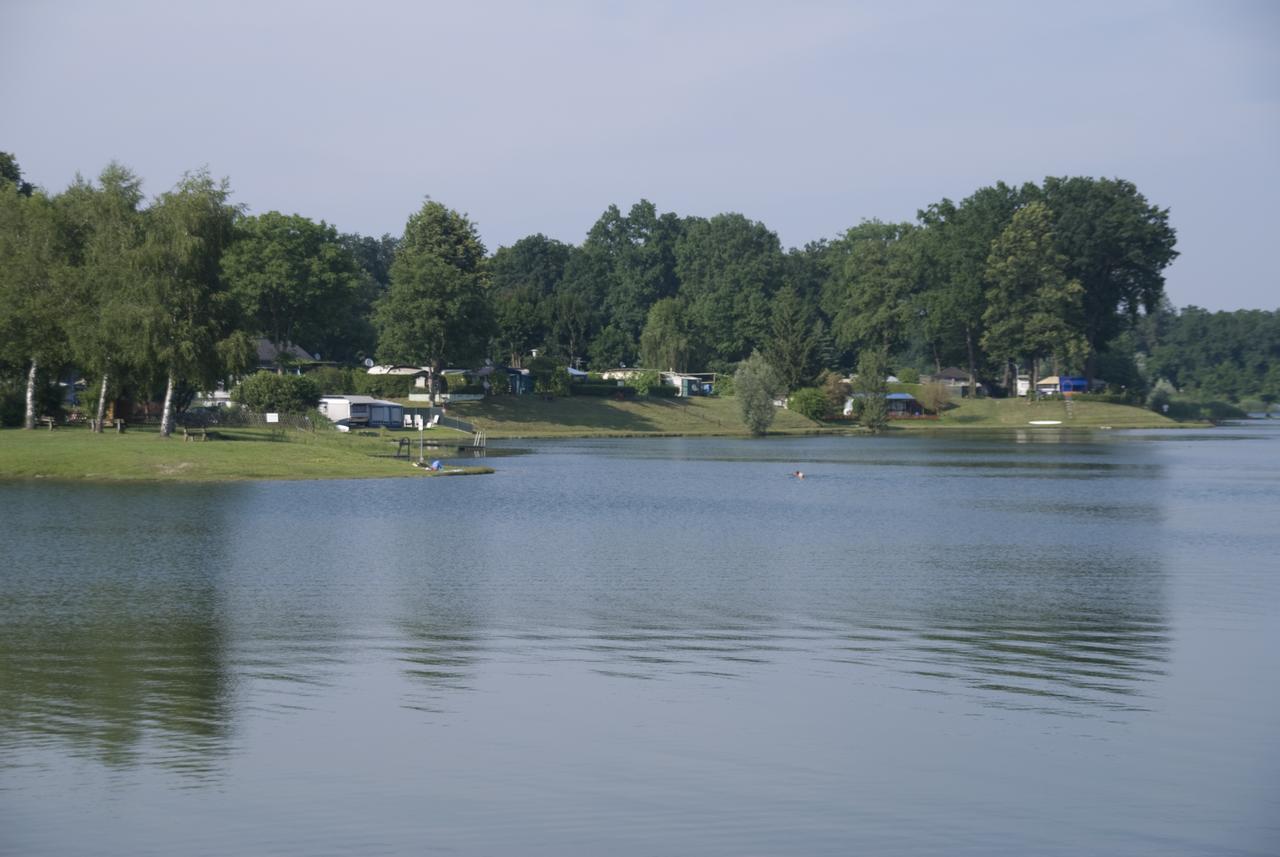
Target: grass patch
point(532, 416)
point(140, 454)
point(1018, 413)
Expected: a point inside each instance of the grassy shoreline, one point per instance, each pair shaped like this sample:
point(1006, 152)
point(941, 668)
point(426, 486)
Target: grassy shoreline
point(529, 417)
point(141, 455)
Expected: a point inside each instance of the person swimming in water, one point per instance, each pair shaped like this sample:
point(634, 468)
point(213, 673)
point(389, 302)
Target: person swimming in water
point(799, 474)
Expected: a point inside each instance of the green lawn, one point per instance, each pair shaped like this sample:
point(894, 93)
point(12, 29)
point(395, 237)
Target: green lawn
point(1018, 413)
point(141, 454)
point(589, 416)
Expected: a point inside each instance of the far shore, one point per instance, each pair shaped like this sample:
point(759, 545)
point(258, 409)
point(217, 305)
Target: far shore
point(139, 454)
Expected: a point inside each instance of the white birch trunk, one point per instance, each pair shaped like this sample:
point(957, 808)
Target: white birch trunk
point(102, 403)
point(30, 421)
point(166, 416)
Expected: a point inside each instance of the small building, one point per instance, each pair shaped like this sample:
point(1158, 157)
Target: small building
point(291, 359)
point(899, 404)
point(363, 411)
point(1066, 385)
point(690, 383)
point(956, 380)
point(903, 405)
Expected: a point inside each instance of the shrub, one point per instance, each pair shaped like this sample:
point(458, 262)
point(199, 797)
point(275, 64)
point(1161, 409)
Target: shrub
point(663, 391)
point(646, 381)
point(909, 375)
point(383, 386)
point(758, 384)
point(811, 402)
point(267, 391)
point(332, 380)
point(723, 385)
point(874, 413)
point(934, 397)
point(555, 382)
point(835, 389)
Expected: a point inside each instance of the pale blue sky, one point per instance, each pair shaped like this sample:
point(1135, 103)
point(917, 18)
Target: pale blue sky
point(533, 117)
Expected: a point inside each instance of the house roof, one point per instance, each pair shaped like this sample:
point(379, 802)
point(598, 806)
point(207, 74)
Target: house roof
point(268, 352)
point(903, 397)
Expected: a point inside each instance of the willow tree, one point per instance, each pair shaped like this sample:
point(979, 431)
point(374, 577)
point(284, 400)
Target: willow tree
point(186, 324)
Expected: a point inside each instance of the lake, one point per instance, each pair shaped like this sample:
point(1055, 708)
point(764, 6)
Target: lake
point(1021, 643)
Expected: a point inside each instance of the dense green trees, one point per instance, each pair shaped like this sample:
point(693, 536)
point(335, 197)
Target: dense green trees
point(294, 279)
point(189, 326)
point(1033, 310)
point(1067, 273)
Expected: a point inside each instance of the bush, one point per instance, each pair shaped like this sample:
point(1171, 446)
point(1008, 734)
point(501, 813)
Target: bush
point(554, 383)
point(835, 389)
point(646, 381)
point(811, 402)
point(758, 384)
point(332, 380)
point(934, 397)
point(382, 386)
point(267, 391)
point(662, 391)
point(909, 376)
point(723, 385)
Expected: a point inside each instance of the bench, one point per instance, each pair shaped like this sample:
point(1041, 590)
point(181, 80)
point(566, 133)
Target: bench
point(47, 421)
point(194, 434)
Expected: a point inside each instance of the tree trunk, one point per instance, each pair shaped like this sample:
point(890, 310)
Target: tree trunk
point(1035, 378)
point(102, 404)
point(1010, 390)
point(937, 360)
point(973, 364)
point(30, 421)
point(166, 416)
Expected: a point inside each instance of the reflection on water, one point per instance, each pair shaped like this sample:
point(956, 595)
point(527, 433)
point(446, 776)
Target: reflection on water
point(175, 628)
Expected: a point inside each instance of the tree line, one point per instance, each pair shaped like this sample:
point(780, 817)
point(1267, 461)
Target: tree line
point(164, 296)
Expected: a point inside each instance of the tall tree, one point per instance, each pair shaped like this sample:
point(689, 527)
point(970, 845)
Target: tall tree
point(666, 344)
point(1033, 309)
point(729, 269)
point(295, 279)
point(106, 223)
point(956, 244)
point(523, 278)
point(868, 297)
point(791, 344)
point(11, 173)
point(33, 303)
point(188, 325)
point(436, 310)
point(1116, 245)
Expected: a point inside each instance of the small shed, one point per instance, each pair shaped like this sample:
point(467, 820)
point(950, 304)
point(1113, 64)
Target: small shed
point(363, 411)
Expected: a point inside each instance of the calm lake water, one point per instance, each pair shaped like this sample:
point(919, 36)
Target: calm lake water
point(1032, 643)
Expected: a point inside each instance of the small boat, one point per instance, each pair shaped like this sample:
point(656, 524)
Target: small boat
point(1045, 423)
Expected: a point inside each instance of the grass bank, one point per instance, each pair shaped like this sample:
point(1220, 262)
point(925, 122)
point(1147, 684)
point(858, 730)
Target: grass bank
point(530, 416)
point(589, 416)
point(1019, 413)
point(140, 454)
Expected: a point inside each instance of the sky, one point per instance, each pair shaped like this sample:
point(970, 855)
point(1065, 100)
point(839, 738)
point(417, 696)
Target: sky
point(535, 117)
